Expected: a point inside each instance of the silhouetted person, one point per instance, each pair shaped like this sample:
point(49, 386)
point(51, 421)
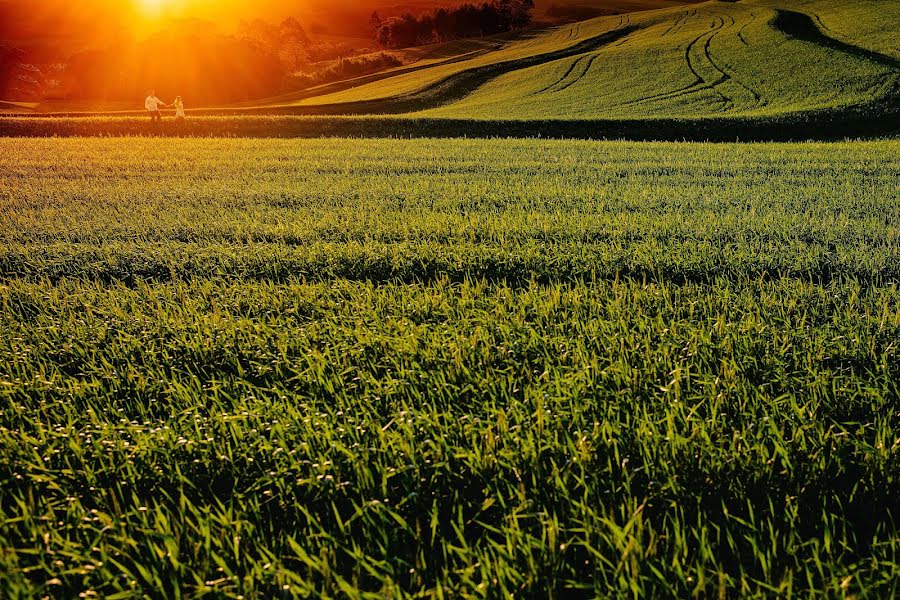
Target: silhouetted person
point(152, 104)
point(179, 109)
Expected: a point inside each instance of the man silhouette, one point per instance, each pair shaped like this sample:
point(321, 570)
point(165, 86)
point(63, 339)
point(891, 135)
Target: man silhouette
point(152, 104)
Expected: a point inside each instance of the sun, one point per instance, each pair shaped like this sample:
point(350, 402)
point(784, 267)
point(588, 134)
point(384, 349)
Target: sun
point(152, 7)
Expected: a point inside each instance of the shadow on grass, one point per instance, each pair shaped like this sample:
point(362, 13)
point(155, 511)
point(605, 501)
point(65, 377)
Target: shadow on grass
point(802, 27)
point(877, 119)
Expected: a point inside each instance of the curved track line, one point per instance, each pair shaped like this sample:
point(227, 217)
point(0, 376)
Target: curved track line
point(680, 24)
point(726, 76)
point(574, 31)
point(560, 84)
point(705, 37)
point(573, 66)
point(699, 84)
point(740, 33)
point(624, 21)
point(564, 76)
point(459, 85)
point(584, 71)
point(684, 15)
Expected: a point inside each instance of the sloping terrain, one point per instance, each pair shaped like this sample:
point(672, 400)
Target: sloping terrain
point(440, 83)
point(746, 69)
point(748, 58)
point(15, 107)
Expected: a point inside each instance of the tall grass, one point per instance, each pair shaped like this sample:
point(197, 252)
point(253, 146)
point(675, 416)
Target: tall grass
point(285, 369)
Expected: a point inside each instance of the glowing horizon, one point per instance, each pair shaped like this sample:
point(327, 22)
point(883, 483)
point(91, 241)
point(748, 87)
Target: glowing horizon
point(149, 13)
point(92, 23)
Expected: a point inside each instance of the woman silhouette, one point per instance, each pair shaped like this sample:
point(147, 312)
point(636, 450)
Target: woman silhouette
point(179, 109)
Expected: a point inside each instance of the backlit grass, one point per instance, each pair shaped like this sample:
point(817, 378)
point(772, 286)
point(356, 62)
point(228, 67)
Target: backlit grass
point(470, 368)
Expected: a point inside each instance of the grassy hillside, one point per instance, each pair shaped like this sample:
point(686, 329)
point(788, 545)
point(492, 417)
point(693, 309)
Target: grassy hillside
point(532, 45)
point(751, 70)
point(870, 24)
point(448, 368)
point(749, 58)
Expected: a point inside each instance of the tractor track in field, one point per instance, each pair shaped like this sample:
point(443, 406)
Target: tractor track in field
point(697, 86)
point(679, 24)
point(624, 21)
point(574, 31)
point(456, 86)
point(562, 83)
point(565, 75)
point(583, 71)
point(582, 64)
point(792, 24)
point(701, 83)
point(706, 37)
point(740, 33)
point(726, 76)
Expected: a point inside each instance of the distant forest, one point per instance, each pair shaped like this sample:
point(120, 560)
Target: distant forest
point(445, 24)
point(188, 58)
point(261, 59)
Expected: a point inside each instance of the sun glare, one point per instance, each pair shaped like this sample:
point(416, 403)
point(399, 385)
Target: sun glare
point(152, 6)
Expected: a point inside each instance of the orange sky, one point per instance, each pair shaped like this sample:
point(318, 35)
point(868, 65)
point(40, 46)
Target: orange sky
point(29, 20)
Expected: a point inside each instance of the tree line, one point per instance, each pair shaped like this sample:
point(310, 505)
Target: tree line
point(445, 24)
point(190, 58)
point(185, 59)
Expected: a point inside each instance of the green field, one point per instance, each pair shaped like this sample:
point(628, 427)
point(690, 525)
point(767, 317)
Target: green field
point(756, 57)
point(470, 368)
point(753, 70)
point(716, 58)
point(451, 368)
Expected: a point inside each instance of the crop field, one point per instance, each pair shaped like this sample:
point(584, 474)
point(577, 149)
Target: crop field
point(758, 57)
point(449, 368)
point(709, 71)
point(734, 58)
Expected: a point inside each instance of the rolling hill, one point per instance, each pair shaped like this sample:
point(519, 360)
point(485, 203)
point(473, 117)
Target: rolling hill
point(754, 57)
point(745, 69)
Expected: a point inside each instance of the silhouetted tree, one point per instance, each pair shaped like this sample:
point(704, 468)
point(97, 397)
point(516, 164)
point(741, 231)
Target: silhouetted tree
point(293, 44)
point(210, 69)
point(466, 20)
point(374, 23)
point(442, 24)
point(266, 35)
point(10, 61)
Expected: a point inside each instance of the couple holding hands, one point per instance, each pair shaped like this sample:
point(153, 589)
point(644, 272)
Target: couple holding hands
point(152, 104)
